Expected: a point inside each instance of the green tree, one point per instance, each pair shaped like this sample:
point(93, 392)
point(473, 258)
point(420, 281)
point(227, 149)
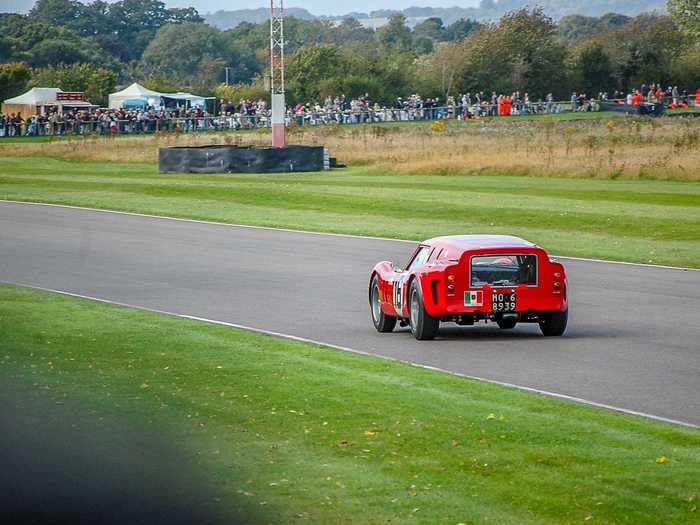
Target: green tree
point(309, 67)
point(209, 73)
point(395, 35)
point(685, 68)
point(14, 78)
point(432, 28)
point(593, 70)
point(686, 13)
point(134, 23)
point(57, 12)
point(423, 45)
point(461, 29)
point(240, 91)
point(57, 51)
point(575, 28)
point(611, 20)
point(643, 50)
point(177, 50)
point(578, 27)
point(437, 73)
point(95, 82)
point(163, 84)
point(521, 52)
point(349, 33)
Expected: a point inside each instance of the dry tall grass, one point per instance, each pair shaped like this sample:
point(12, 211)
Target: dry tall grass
point(667, 148)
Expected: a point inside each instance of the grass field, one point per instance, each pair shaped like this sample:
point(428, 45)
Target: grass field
point(291, 432)
point(594, 146)
point(632, 220)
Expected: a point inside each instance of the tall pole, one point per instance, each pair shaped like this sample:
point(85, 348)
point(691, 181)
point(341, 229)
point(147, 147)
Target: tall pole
point(279, 139)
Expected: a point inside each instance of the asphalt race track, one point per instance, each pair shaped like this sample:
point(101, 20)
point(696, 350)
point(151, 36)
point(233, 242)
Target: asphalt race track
point(634, 331)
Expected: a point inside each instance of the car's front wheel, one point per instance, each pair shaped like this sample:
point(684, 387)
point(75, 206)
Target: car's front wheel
point(554, 323)
point(422, 324)
point(382, 322)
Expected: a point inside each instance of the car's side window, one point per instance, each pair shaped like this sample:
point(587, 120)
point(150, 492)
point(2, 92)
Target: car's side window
point(435, 255)
point(420, 257)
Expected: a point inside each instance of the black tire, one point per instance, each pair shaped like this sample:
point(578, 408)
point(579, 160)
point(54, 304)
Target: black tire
point(423, 326)
point(507, 323)
point(382, 322)
point(554, 323)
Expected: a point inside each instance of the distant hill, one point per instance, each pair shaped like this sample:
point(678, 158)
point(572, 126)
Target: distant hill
point(487, 10)
point(229, 19)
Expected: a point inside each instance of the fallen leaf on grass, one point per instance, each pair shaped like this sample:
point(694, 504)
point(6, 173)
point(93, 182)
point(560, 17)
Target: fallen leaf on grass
point(370, 433)
point(661, 459)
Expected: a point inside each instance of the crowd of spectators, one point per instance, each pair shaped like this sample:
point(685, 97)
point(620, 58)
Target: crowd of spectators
point(102, 121)
point(655, 94)
point(339, 109)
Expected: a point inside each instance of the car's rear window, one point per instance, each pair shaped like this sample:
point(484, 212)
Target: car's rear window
point(503, 270)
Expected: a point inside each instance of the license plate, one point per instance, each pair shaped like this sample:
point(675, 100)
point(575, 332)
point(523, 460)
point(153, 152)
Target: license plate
point(502, 301)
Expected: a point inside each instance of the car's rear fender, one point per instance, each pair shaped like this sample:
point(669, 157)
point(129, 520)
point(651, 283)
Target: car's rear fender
point(433, 285)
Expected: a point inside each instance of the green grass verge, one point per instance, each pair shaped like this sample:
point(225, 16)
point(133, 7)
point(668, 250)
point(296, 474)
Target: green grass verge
point(290, 430)
point(641, 221)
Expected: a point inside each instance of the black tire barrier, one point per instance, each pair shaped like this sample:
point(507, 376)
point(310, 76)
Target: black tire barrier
point(651, 110)
point(235, 159)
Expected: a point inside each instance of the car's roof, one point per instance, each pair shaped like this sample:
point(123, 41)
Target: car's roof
point(476, 242)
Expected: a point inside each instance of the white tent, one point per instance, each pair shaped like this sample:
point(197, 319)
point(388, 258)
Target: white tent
point(36, 99)
point(193, 100)
point(134, 92)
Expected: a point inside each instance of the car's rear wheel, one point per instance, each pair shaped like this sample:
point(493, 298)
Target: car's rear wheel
point(382, 322)
point(554, 323)
point(423, 325)
point(506, 323)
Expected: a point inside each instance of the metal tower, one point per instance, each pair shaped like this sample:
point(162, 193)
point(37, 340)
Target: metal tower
point(279, 139)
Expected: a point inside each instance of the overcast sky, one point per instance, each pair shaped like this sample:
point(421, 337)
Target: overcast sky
point(317, 7)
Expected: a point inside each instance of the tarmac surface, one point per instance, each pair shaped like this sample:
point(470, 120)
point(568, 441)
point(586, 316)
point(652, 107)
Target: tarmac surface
point(633, 340)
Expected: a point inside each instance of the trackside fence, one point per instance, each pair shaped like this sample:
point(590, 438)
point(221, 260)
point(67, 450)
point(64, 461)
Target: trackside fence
point(150, 122)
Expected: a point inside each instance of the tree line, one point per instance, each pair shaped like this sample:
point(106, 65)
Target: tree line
point(93, 47)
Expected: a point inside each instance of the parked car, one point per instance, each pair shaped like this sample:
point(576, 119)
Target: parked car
point(467, 279)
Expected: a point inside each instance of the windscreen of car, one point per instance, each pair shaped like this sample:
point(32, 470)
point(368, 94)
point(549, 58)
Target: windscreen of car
point(419, 258)
point(503, 270)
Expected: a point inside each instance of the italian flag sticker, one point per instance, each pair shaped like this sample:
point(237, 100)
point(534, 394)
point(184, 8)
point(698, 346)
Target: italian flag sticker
point(474, 298)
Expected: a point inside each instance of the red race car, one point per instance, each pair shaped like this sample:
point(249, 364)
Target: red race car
point(470, 278)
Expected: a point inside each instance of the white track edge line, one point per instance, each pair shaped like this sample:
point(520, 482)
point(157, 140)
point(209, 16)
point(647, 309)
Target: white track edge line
point(310, 232)
point(563, 397)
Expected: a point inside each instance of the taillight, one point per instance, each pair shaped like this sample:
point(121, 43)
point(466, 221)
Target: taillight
point(450, 286)
point(556, 283)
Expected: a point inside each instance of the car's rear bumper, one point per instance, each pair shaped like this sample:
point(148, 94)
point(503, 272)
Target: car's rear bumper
point(539, 306)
